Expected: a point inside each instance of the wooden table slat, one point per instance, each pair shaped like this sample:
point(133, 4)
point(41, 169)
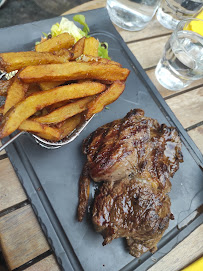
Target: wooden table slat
point(188, 107)
point(190, 249)
point(47, 264)
point(154, 29)
point(11, 192)
point(166, 92)
point(87, 6)
point(21, 237)
point(148, 53)
point(2, 152)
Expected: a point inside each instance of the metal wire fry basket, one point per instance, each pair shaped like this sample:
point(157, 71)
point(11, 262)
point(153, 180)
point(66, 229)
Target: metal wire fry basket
point(41, 141)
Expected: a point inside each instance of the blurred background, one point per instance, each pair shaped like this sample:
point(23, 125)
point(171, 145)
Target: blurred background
point(13, 12)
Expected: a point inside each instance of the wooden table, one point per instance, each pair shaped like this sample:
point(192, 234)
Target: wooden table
point(21, 239)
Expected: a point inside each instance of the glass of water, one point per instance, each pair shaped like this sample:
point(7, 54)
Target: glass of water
point(132, 15)
point(182, 61)
point(171, 12)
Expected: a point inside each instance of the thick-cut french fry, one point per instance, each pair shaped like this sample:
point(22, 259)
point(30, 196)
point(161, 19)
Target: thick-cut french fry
point(16, 93)
point(32, 88)
point(65, 111)
point(105, 98)
point(50, 85)
point(73, 53)
point(77, 49)
point(73, 71)
point(69, 125)
point(63, 52)
point(37, 101)
point(46, 99)
point(47, 137)
point(66, 127)
point(15, 61)
point(4, 85)
point(91, 46)
point(52, 107)
point(1, 109)
point(50, 133)
point(64, 40)
point(87, 58)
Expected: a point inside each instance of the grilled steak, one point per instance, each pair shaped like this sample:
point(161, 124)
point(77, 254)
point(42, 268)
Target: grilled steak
point(135, 144)
point(133, 209)
point(134, 158)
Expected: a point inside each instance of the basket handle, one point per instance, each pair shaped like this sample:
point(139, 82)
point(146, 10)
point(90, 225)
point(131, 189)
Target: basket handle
point(11, 140)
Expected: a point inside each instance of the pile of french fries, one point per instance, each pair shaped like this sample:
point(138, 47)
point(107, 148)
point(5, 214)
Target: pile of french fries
point(57, 86)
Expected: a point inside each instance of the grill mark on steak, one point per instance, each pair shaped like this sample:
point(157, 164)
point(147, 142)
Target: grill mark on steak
point(103, 136)
point(106, 158)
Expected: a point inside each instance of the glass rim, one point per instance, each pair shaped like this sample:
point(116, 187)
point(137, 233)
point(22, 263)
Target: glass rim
point(175, 33)
point(184, 21)
point(188, 12)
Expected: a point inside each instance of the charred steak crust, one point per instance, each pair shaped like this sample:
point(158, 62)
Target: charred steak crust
point(135, 144)
point(134, 157)
point(132, 209)
point(84, 189)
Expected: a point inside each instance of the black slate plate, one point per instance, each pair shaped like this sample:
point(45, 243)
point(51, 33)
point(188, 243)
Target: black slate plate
point(77, 246)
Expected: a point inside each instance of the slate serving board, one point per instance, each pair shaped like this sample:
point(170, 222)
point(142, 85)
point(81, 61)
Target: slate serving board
point(56, 172)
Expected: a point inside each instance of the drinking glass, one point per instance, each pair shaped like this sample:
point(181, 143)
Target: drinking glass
point(2, 2)
point(132, 15)
point(182, 60)
point(171, 12)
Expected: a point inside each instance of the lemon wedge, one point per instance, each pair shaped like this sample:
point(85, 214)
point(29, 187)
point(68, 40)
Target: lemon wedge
point(196, 266)
point(196, 26)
